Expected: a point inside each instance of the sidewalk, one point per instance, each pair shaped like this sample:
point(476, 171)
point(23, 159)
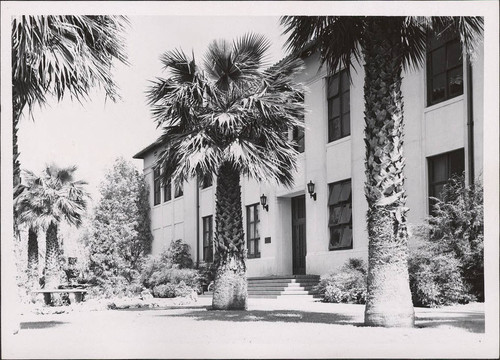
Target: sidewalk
point(270, 328)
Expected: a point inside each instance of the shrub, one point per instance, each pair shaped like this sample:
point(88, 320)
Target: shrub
point(167, 275)
point(346, 285)
point(447, 266)
point(435, 277)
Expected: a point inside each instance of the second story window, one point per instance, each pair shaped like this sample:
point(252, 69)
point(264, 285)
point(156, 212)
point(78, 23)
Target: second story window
point(206, 181)
point(339, 108)
point(298, 133)
point(444, 68)
point(208, 246)
point(253, 236)
point(167, 191)
point(156, 186)
point(179, 191)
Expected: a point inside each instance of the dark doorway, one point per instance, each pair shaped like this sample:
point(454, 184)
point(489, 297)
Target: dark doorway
point(299, 235)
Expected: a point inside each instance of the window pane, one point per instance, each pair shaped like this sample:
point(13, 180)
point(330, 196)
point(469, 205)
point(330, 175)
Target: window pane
point(437, 191)
point(346, 237)
point(335, 107)
point(346, 102)
point(346, 214)
point(257, 235)
point(345, 84)
point(438, 60)
point(457, 162)
point(334, 193)
point(335, 236)
point(455, 82)
point(454, 54)
point(335, 212)
point(439, 169)
point(250, 214)
point(333, 86)
point(438, 88)
point(346, 191)
point(346, 124)
point(335, 129)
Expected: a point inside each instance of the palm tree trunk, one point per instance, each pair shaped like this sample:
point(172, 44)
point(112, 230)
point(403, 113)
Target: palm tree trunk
point(230, 278)
point(52, 266)
point(32, 256)
point(389, 299)
point(17, 107)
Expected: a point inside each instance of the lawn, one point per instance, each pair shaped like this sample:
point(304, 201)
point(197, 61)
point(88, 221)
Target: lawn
point(270, 328)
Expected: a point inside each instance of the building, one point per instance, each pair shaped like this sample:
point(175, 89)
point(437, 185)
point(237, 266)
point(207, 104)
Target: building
point(303, 234)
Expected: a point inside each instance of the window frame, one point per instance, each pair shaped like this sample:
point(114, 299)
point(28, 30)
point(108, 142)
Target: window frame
point(255, 223)
point(449, 173)
point(339, 225)
point(208, 240)
point(156, 186)
point(342, 78)
point(446, 41)
point(178, 191)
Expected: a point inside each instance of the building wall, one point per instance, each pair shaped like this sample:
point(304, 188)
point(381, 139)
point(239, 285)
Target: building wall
point(428, 131)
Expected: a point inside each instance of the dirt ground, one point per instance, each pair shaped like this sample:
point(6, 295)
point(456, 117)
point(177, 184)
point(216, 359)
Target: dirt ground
point(269, 329)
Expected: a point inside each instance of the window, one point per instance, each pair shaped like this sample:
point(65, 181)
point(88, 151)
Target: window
point(339, 116)
point(253, 231)
point(167, 191)
point(298, 133)
point(441, 169)
point(208, 245)
point(340, 221)
point(444, 68)
point(206, 181)
point(156, 186)
point(179, 191)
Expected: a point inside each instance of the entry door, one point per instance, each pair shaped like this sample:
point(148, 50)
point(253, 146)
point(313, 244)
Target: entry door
point(299, 235)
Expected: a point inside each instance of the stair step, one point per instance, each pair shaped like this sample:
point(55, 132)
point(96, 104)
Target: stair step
point(277, 277)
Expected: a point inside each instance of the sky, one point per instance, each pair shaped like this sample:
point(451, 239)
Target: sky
point(93, 134)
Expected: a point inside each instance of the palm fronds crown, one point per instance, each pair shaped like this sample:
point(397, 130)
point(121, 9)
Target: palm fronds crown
point(228, 110)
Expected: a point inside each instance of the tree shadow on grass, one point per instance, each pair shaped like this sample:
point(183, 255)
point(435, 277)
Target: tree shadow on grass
point(40, 324)
point(288, 316)
point(472, 322)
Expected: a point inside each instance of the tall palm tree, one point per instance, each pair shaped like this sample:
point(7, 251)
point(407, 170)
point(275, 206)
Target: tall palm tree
point(229, 117)
point(387, 45)
point(57, 55)
point(44, 202)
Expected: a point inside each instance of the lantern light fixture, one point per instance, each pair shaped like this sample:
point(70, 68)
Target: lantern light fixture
point(263, 202)
point(310, 190)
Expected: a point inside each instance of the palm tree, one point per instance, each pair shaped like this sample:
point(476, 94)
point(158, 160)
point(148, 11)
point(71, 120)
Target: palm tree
point(44, 202)
point(229, 117)
point(61, 54)
point(388, 45)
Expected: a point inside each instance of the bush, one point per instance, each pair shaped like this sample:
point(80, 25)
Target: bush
point(346, 285)
point(167, 275)
point(435, 277)
point(448, 267)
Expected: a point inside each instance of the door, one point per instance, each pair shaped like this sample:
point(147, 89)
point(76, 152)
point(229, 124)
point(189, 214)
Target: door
point(299, 235)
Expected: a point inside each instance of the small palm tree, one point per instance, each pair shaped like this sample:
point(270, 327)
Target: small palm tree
point(57, 55)
point(387, 45)
point(44, 202)
point(229, 117)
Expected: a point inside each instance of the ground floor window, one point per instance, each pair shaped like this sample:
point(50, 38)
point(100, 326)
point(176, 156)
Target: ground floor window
point(340, 215)
point(441, 169)
point(208, 241)
point(253, 236)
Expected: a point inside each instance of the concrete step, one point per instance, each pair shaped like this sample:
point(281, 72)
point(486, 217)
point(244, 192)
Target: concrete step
point(277, 277)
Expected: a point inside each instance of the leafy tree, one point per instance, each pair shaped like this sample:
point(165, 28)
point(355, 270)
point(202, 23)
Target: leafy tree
point(57, 55)
point(44, 202)
point(228, 117)
point(120, 232)
point(387, 46)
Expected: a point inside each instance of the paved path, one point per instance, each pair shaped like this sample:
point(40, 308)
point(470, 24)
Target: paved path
point(270, 328)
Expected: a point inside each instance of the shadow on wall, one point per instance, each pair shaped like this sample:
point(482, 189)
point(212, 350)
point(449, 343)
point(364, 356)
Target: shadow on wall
point(269, 316)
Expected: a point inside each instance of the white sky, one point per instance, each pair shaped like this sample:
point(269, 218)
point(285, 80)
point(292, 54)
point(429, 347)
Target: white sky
point(92, 135)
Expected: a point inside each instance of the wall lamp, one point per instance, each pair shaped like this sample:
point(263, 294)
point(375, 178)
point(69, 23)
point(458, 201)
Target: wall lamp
point(310, 190)
point(263, 202)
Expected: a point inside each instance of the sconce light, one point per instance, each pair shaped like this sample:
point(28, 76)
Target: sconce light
point(310, 190)
point(263, 202)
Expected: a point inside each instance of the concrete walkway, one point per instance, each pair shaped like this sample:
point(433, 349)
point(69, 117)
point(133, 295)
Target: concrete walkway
point(270, 328)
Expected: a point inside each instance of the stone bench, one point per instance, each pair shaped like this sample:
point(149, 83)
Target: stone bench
point(75, 295)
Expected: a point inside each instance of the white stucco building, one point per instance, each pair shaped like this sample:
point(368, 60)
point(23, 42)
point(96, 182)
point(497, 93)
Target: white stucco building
point(299, 234)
